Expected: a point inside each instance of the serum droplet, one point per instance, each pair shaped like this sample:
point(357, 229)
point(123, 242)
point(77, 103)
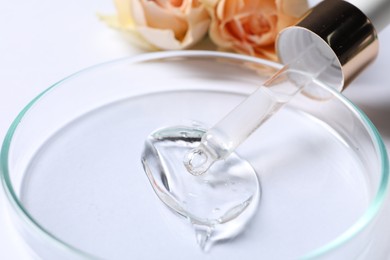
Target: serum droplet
point(203, 234)
point(216, 209)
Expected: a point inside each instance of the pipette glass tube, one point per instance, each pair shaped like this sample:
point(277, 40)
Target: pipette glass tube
point(224, 137)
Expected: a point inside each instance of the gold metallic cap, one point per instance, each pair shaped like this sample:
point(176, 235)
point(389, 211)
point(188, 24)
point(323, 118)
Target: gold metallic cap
point(339, 32)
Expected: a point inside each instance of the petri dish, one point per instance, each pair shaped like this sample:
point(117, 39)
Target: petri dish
point(71, 168)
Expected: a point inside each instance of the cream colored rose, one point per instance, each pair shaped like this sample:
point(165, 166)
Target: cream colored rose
point(163, 24)
point(251, 26)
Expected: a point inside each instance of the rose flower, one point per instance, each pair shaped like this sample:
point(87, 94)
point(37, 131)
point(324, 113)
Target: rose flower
point(162, 24)
point(251, 26)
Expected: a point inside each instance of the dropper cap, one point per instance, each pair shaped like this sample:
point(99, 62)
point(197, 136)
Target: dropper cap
point(341, 32)
point(378, 11)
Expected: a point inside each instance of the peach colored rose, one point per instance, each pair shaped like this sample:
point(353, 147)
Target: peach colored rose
point(251, 26)
point(162, 24)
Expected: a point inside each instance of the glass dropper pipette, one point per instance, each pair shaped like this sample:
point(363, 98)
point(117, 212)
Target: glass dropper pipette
point(332, 43)
point(224, 137)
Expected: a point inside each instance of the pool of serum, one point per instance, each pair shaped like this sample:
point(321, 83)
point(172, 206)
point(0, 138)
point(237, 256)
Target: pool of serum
point(218, 204)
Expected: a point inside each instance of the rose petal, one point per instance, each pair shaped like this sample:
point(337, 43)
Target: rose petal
point(166, 40)
point(198, 14)
point(267, 37)
point(160, 18)
point(195, 33)
point(162, 39)
point(215, 33)
point(123, 8)
point(294, 8)
point(289, 11)
point(136, 39)
point(251, 26)
point(210, 3)
point(226, 9)
point(111, 20)
point(198, 24)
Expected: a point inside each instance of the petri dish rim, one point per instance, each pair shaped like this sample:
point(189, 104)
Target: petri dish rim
point(368, 216)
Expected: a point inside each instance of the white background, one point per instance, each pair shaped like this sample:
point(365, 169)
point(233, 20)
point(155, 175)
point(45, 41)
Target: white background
point(43, 41)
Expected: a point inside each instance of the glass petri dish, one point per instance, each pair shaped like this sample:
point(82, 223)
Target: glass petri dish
point(71, 169)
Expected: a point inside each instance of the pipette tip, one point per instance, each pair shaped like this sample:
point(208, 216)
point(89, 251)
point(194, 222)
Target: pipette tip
point(198, 160)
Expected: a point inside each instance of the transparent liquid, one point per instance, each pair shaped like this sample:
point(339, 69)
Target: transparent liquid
point(86, 185)
point(218, 204)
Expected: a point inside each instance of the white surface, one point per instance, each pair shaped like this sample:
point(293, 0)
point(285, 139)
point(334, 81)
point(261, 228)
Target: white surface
point(43, 41)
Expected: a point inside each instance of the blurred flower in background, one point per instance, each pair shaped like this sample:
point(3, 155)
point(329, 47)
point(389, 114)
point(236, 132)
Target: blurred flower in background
point(245, 26)
point(162, 24)
point(251, 26)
